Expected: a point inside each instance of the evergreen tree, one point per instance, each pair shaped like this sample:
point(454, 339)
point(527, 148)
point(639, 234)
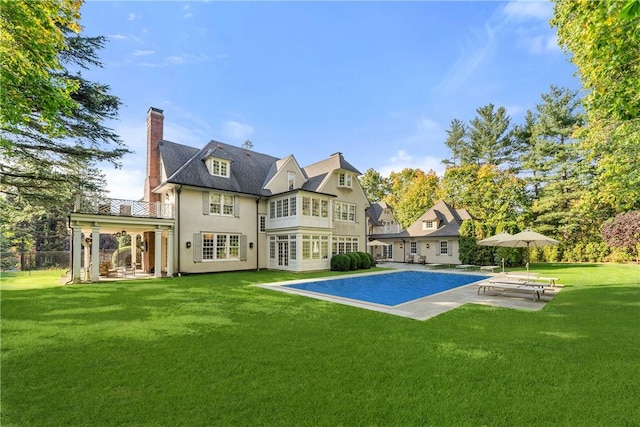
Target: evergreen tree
point(490, 137)
point(457, 143)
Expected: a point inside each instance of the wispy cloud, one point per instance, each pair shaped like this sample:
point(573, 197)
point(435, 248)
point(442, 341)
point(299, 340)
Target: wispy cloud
point(470, 58)
point(526, 10)
point(183, 59)
point(187, 11)
point(237, 131)
point(117, 36)
point(402, 160)
point(133, 16)
point(143, 53)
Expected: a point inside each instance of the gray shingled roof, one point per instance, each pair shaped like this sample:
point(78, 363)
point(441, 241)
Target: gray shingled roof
point(373, 212)
point(334, 162)
point(247, 174)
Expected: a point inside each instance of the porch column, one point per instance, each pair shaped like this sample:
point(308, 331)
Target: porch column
point(134, 250)
point(158, 253)
point(170, 253)
point(95, 254)
point(77, 250)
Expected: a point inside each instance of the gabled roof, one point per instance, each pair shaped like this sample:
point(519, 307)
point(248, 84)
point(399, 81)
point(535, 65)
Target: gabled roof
point(334, 162)
point(174, 155)
point(375, 210)
point(247, 173)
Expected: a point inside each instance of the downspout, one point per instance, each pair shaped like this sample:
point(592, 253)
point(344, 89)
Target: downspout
point(178, 191)
point(257, 234)
point(404, 251)
point(70, 252)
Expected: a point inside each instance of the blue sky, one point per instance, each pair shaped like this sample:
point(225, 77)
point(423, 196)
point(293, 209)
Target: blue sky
point(378, 81)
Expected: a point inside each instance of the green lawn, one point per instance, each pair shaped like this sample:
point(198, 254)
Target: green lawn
point(212, 350)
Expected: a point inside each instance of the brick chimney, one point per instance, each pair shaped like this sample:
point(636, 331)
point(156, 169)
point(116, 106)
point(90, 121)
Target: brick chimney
point(155, 125)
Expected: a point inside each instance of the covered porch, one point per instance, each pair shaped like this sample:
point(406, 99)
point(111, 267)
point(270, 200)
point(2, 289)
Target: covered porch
point(152, 223)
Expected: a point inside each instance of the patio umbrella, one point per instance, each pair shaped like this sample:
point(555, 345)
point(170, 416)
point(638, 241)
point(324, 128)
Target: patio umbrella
point(526, 239)
point(377, 243)
point(489, 241)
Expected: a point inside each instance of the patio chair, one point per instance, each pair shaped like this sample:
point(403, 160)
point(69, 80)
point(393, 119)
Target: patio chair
point(422, 259)
point(410, 259)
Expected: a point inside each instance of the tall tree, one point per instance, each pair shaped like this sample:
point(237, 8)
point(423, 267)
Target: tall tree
point(489, 136)
point(457, 143)
point(32, 37)
point(375, 186)
point(603, 38)
point(419, 196)
point(558, 161)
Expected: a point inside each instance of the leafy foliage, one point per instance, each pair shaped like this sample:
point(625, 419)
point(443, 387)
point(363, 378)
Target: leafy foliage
point(623, 231)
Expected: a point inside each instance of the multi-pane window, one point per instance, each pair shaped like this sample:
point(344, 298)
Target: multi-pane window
point(263, 223)
point(220, 246)
point(291, 178)
point(429, 225)
point(315, 247)
point(221, 204)
point(282, 208)
point(312, 206)
point(344, 211)
point(345, 180)
point(220, 167)
point(341, 245)
point(444, 247)
point(208, 246)
point(413, 248)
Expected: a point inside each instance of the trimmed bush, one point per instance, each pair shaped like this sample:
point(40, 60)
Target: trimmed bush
point(355, 260)
point(340, 262)
point(372, 260)
point(365, 261)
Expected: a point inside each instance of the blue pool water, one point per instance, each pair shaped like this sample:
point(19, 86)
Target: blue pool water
point(390, 289)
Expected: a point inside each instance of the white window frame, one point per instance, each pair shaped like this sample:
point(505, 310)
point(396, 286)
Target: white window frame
point(221, 204)
point(344, 211)
point(263, 223)
point(291, 179)
point(220, 247)
point(413, 248)
point(345, 180)
point(444, 247)
point(220, 167)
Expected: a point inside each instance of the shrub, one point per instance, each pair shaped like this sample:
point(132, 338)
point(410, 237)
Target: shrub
point(355, 260)
point(340, 262)
point(372, 260)
point(365, 261)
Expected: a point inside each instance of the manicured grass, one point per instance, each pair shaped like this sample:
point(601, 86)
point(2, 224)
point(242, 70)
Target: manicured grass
point(214, 350)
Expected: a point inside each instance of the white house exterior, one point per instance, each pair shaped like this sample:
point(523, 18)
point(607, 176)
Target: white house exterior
point(434, 237)
point(237, 209)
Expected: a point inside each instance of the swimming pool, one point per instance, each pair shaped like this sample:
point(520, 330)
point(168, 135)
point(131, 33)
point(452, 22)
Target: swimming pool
point(391, 288)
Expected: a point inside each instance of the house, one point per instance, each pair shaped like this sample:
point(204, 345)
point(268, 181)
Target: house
point(433, 236)
point(380, 221)
point(226, 208)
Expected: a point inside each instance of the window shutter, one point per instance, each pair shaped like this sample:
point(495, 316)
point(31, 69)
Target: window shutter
point(236, 206)
point(438, 246)
point(449, 248)
point(197, 247)
point(243, 247)
point(205, 203)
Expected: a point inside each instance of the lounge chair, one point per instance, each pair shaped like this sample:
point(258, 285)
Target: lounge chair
point(422, 259)
point(410, 260)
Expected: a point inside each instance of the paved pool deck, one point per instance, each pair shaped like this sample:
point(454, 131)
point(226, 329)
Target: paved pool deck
point(430, 306)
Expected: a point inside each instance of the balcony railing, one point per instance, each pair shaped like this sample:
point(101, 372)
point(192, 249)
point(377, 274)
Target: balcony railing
point(120, 207)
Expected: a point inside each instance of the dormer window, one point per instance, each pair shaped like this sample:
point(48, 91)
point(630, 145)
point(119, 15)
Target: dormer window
point(219, 167)
point(429, 225)
point(345, 180)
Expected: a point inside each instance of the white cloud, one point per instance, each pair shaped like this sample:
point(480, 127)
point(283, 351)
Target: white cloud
point(117, 36)
point(125, 183)
point(133, 16)
point(525, 10)
point(402, 160)
point(237, 131)
point(143, 53)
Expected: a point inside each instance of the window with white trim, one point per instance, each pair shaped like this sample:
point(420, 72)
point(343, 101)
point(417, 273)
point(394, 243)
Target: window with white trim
point(315, 247)
point(413, 248)
point(282, 208)
point(444, 247)
point(345, 180)
point(342, 245)
point(343, 211)
point(312, 206)
point(263, 223)
point(221, 204)
point(219, 167)
point(291, 178)
point(220, 246)
point(429, 225)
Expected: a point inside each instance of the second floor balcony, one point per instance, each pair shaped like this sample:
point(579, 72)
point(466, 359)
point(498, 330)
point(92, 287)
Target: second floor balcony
point(122, 207)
